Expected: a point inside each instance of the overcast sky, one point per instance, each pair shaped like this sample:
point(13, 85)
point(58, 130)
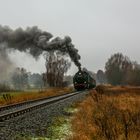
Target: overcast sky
point(98, 28)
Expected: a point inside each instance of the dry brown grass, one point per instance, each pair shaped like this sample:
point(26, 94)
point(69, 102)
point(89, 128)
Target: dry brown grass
point(17, 97)
point(112, 113)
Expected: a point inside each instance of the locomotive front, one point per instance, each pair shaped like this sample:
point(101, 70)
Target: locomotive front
point(80, 80)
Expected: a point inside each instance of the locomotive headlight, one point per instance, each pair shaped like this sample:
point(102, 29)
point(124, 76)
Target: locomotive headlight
point(85, 82)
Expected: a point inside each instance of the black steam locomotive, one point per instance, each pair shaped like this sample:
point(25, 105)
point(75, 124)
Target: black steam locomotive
point(83, 80)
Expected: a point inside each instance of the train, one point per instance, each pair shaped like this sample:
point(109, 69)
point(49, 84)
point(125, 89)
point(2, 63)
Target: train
point(83, 80)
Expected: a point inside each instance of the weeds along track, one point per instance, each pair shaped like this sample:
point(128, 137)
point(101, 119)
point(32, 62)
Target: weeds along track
point(11, 111)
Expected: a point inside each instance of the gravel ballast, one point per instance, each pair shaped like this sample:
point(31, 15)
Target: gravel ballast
point(35, 123)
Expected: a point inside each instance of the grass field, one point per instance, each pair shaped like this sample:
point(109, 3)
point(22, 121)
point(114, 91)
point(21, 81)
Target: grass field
point(16, 97)
point(112, 113)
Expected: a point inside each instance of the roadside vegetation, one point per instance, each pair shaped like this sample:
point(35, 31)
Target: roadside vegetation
point(20, 96)
point(112, 113)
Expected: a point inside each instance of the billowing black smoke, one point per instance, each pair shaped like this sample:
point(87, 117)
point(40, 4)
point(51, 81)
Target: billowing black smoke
point(35, 41)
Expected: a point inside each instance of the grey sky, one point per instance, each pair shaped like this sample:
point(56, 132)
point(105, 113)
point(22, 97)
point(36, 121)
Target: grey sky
point(98, 28)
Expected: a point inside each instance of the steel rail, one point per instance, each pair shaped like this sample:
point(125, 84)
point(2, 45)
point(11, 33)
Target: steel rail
point(6, 107)
point(30, 107)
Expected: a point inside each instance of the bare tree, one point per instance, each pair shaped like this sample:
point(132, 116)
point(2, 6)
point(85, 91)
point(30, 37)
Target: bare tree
point(116, 68)
point(132, 76)
point(119, 69)
point(57, 65)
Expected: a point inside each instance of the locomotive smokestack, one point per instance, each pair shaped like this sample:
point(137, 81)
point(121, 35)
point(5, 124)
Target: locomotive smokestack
point(79, 68)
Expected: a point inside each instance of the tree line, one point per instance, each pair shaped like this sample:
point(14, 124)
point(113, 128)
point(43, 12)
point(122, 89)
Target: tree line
point(120, 70)
point(56, 67)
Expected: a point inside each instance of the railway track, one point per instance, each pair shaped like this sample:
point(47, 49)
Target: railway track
point(11, 111)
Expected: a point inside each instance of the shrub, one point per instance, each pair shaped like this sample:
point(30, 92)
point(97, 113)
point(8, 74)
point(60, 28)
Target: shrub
point(107, 116)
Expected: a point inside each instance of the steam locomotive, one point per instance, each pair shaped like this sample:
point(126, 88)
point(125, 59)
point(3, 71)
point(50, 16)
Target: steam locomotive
point(83, 80)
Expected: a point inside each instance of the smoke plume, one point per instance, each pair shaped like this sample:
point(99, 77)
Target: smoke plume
point(6, 66)
point(35, 41)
